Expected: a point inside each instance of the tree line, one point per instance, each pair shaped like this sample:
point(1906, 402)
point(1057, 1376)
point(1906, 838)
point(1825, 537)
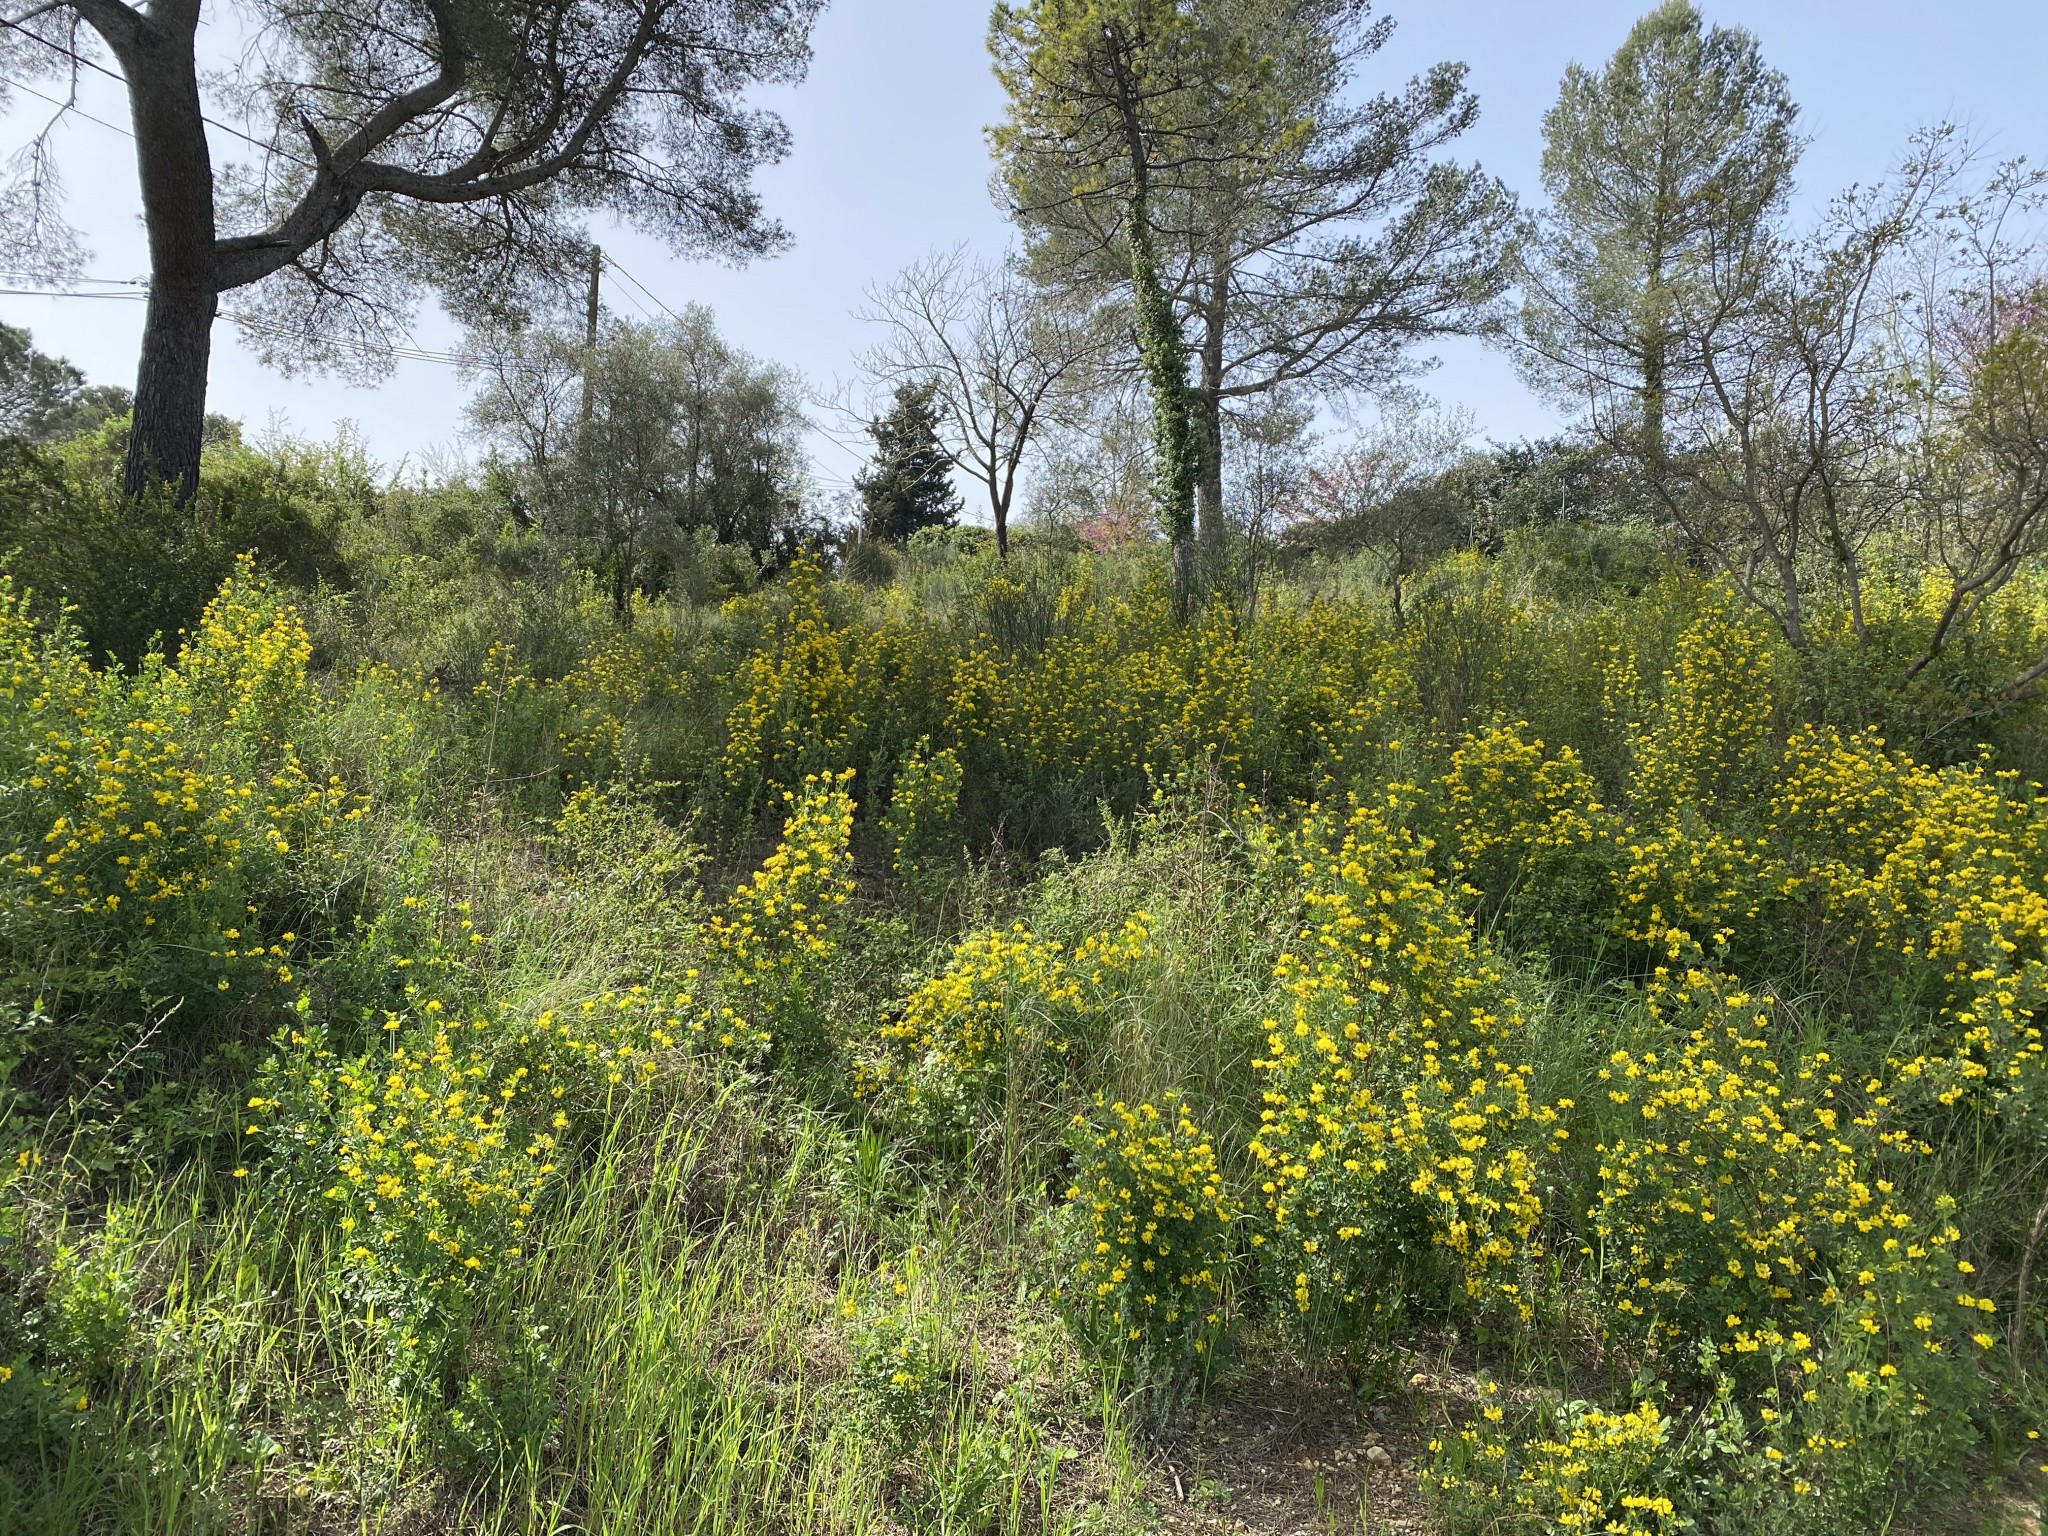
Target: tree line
point(1226, 239)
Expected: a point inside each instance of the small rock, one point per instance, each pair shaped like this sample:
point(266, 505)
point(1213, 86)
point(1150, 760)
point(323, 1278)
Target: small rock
point(1372, 1437)
point(1377, 1455)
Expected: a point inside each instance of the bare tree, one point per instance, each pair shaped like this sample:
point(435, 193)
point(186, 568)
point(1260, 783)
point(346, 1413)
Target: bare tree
point(998, 352)
point(449, 144)
point(1270, 467)
point(1967, 330)
point(1380, 494)
point(1883, 377)
point(1775, 403)
point(1093, 478)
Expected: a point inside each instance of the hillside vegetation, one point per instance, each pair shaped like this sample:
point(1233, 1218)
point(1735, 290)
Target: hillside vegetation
point(959, 1051)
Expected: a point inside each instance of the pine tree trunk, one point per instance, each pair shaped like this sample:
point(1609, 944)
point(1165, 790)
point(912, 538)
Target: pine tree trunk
point(170, 392)
point(175, 169)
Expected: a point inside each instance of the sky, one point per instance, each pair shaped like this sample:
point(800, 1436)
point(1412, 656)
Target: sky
point(890, 162)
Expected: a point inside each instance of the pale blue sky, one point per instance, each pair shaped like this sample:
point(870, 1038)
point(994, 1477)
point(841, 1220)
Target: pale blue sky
point(890, 161)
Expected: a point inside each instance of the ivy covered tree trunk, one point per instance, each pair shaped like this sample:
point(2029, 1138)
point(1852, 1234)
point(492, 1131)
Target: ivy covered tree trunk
point(1176, 443)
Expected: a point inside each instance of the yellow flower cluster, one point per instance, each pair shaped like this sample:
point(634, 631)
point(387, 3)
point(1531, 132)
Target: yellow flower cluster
point(435, 1148)
point(1151, 1230)
point(1751, 1228)
point(777, 928)
point(161, 798)
point(1006, 1004)
point(1587, 1470)
point(1752, 1191)
point(1941, 875)
point(1074, 687)
point(1395, 1115)
point(821, 690)
point(1706, 734)
point(438, 1146)
point(899, 1362)
point(620, 682)
point(1526, 827)
point(924, 810)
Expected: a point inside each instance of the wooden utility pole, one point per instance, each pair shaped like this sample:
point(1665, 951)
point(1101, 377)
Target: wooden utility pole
point(590, 330)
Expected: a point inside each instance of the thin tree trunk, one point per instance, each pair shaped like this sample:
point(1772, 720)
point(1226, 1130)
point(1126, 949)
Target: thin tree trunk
point(1209, 423)
point(175, 169)
point(2016, 1336)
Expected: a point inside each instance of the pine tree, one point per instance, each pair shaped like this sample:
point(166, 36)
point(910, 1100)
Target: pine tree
point(1663, 165)
point(909, 483)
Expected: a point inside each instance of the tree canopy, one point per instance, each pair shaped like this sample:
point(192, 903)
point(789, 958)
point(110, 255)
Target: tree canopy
point(660, 435)
point(1302, 237)
point(1679, 151)
point(454, 147)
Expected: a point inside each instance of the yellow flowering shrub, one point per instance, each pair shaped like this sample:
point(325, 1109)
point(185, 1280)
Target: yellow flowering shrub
point(615, 691)
point(1008, 1006)
point(777, 930)
point(1708, 732)
point(436, 1166)
point(1579, 1469)
point(1080, 716)
point(822, 691)
point(1527, 833)
point(148, 811)
point(923, 817)
point(1751, 1189)
point(1941, 869)
point(1751, 1239)
point(1147, 1237)
point(1331, 693)
point(1398, 1123)
point(899, 1361)
point(432, 1150)
point(1688, 883)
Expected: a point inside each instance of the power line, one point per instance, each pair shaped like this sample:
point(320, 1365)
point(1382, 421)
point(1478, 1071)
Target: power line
point(629, 277)
point(68, 293)
point(637, 305)
point(268, 147)
point(412, 354)
point(98, 282)
point(66, 106)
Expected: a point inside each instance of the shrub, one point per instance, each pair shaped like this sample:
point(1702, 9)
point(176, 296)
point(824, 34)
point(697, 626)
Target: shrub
point(1146, 1241)
point(163, 819)
point(777, 930)
point(1527, 834)
point(899, 1369)
point(1576, 1468)
point(1398, 1128)
point(923, 819)
point(998, 1021)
